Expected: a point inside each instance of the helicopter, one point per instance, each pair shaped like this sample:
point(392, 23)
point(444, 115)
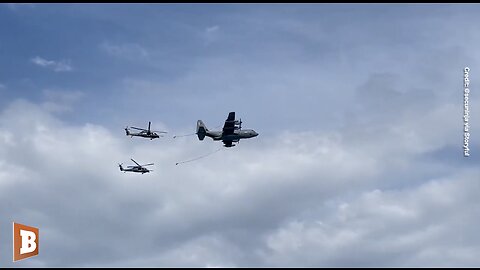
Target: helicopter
point(231, 132)
point(138, 169)
point(145, 133)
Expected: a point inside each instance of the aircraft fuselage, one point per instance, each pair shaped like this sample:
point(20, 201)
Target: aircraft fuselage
point(235, 137)
point(151, 136)
point(135, 169)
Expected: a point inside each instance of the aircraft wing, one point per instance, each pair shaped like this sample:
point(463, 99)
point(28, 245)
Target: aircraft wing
point(229, 126)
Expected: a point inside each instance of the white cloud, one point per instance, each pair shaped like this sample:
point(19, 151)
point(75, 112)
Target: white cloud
point(76, 169)
point(425, 226)
point(132, 51)
point(15, 6)
point(369, 226)
point(60, 100)
point(295, 199)
point(212, 29)
point(57, 66)
point(210, 34)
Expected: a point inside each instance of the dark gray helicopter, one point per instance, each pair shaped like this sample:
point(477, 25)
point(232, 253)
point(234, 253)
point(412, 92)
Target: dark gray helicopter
point(146, 133)
point(138, 169)
point(231, 132)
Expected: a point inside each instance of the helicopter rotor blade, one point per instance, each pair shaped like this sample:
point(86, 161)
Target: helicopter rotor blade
point(135, 162)
point(147, 164)
point(138, 128)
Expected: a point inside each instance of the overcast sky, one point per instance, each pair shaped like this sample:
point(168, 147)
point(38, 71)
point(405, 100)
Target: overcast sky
point(359, 161)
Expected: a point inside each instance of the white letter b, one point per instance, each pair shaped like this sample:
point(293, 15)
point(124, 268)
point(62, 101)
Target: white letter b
point(28, 242)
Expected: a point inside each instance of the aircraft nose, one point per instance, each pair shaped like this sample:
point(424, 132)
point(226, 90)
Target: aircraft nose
point(255, 134)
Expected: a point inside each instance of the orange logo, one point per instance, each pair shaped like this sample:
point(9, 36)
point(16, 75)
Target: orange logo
point(25, 241)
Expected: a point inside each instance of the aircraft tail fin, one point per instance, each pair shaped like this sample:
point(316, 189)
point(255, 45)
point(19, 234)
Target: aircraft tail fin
point(127, 131)
point(121, 167)
point(201, 130)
